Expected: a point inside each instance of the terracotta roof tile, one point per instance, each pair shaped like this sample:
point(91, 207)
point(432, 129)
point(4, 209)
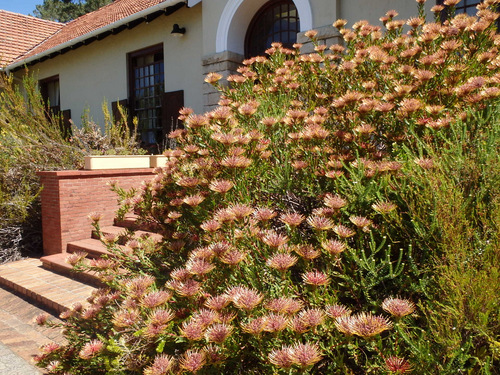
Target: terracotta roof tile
point(109, 14)
point(20, 33)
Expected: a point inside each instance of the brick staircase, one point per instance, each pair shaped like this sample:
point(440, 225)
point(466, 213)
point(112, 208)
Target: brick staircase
point(52, 282)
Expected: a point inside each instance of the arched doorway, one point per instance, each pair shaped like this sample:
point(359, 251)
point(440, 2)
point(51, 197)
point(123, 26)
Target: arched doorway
point(276, 21)
point(238, 15)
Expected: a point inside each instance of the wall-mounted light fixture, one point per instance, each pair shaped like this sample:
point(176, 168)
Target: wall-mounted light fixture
point(178, 31)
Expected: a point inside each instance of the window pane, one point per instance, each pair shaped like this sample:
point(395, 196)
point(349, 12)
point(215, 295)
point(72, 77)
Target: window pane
point(275, 22)
point(148, 89)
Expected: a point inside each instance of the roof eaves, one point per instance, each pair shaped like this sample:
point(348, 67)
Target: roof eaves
point(93, 35)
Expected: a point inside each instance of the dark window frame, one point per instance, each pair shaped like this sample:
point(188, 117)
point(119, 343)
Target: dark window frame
point(156, 98)
point(461, 7)
point(268, 10)
point(43, 84)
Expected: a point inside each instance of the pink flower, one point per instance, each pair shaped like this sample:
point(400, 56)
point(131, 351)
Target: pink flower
point(91, 349)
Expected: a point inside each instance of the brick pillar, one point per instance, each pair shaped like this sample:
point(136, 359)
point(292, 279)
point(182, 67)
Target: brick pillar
point(69, 196)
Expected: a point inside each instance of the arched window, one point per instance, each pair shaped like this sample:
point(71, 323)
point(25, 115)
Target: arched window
point(277, 21)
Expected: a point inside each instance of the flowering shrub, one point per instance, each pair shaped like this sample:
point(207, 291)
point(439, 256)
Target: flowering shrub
point(288, 241)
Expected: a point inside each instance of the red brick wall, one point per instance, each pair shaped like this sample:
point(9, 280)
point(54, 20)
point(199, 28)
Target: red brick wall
point(69, 196)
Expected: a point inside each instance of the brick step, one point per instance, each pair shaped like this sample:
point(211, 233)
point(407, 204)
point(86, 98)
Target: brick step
point(123, 234)
point(50, 289)
point(130, 221)
point(93, 247)
point(57, 263)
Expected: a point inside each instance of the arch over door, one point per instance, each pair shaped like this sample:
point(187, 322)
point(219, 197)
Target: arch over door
point(237, 16)
point(276, 21)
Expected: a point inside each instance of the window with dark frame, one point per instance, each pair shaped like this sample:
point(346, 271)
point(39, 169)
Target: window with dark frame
point(464, 6)
point(147, 85)
point(468, 7)
point(49, 88)
point(277, 21)
point(51, 95)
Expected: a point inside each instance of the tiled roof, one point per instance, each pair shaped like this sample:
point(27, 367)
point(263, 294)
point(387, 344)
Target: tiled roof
point(92, 22)
point(20, 33)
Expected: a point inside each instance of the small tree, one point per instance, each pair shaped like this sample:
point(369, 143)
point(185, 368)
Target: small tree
point(67, 10)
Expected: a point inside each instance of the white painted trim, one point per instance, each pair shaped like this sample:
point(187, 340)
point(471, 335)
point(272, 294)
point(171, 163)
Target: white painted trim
point(221, 41)
point(93, 33)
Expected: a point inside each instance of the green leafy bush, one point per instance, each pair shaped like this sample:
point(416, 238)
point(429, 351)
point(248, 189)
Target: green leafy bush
point(320, 220)
point(31, 141)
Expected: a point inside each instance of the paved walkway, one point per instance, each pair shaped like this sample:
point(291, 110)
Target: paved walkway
point(12, 364)
point(20, 337)
point(29, 278)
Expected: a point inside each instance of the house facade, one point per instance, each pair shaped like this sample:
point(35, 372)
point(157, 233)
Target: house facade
point(151, 55)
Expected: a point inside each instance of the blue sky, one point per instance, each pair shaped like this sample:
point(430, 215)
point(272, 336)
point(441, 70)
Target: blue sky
point(20, 6)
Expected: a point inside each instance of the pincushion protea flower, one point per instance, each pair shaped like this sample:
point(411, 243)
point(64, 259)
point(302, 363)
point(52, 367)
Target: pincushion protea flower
point(264, 214)
point(281, 357)
point(91, 349)
point(41, 319)
point(319, 222)
point(384, 207)
point(213, 78)
point(360, 221)
point(221, 186)
point(292, 219)
point(397, 365)
point(274, 239)
point(275, 322)
point(363, 324)
point(217, 303)
point(192, 330)
point(284, 305)
point(162, 364)
point(211, 226)
point(199, 266)
point(343, 232)
point(95, 216)
point(307, 252)
point(281, 261)
point(233, 257)
point(337, 311)
point(240, 211)
point(333, 247)
point(334, 201)
point(205, 317)
point(76, 257)
point(218, 333)
point(155, 299)
point(305, 355)
point(316, 278)
point(254, 326)
point(398, 307)
point(161, 316)
point(189, 288)
point(246, 299)
point(312, 317)
point(192, 360)
point(123, 319)
point(193, 200)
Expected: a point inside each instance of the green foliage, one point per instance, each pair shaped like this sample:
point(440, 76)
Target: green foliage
point(67, 10)
point(322, 187)
point(32, 140)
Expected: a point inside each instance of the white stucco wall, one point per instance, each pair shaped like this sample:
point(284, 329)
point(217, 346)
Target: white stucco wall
point(371, 10)
point(98, 71)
